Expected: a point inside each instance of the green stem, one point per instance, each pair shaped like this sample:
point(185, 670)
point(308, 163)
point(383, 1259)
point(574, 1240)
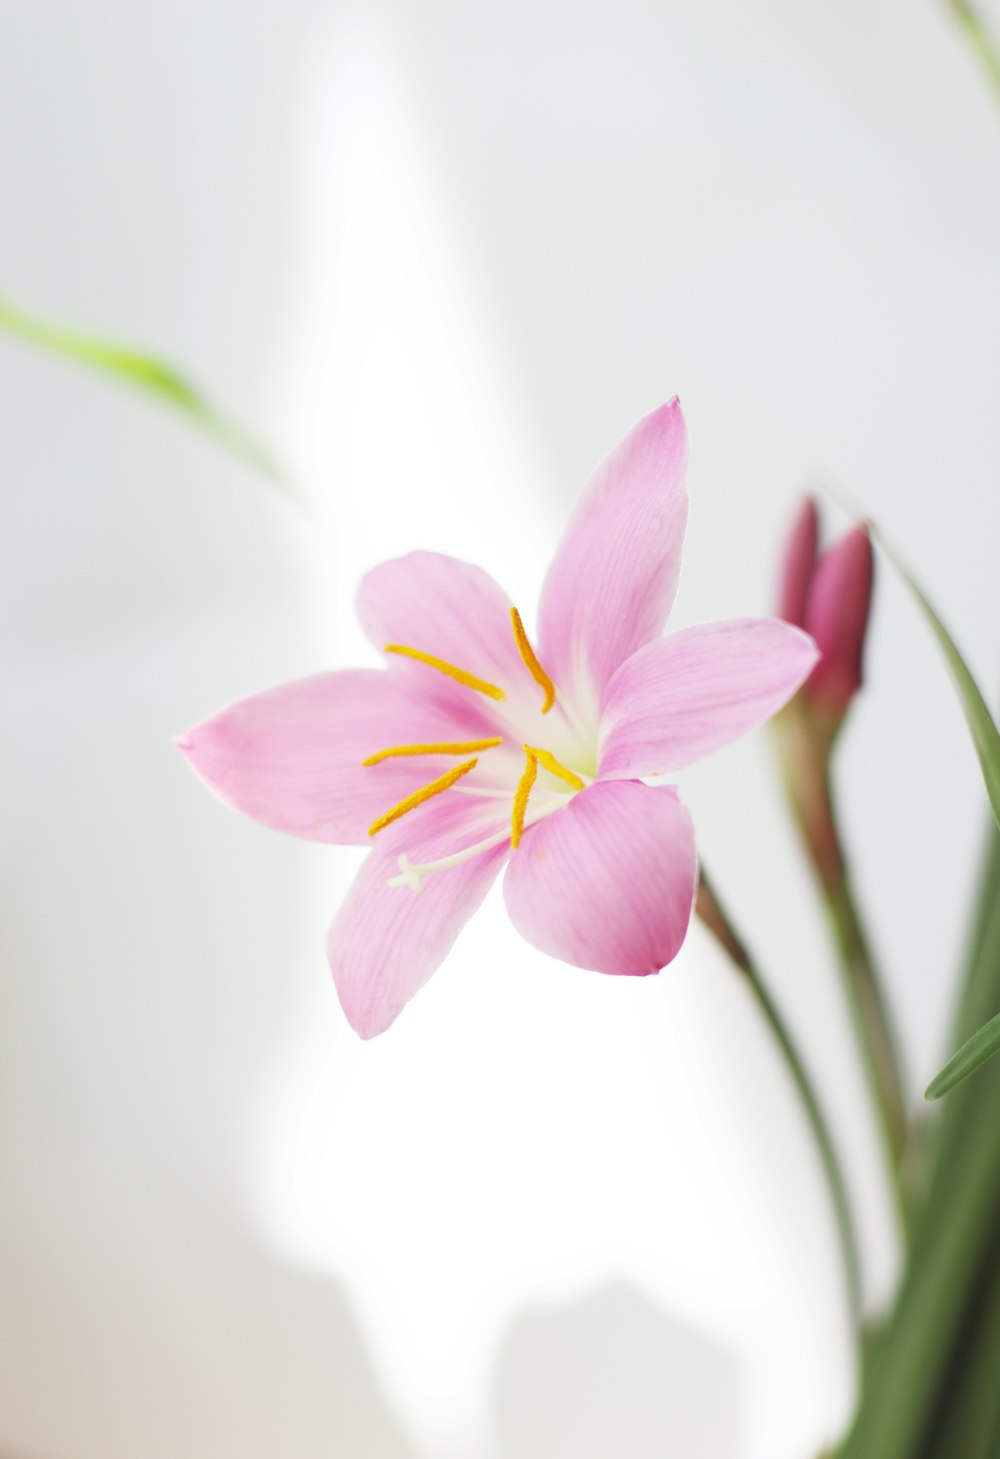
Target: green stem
point(948, 1142)
point(966, 1423)
point(869, 1011)
point(980, 39)
point(805, 743)
point(908, 1381)
point(712, 913)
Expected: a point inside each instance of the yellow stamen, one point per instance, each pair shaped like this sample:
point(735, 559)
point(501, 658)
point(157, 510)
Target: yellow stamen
point(419, 796)
point(521, 794)
point(535, 669)
point(456, 747)
point(549, 761)
point(461, 676)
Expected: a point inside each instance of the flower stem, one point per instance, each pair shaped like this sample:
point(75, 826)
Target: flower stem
point(910, 1377)
point(871, 1021)
point(980, 39)
point(709, 909)
point(805, 756)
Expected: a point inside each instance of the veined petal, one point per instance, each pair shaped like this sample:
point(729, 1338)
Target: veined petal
point(685, 695)
point(386, 941)
point(613, 580)
point(448, 608)
point(291, 757)
point(607, 883)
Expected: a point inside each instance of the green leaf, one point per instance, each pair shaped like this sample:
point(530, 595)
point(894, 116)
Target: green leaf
point(145, 373)
point(982, 1046)
point(910, 1371)
point(981, 723)
point(982, 41)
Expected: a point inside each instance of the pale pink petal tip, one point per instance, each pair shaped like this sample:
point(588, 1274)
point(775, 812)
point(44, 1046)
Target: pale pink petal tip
point(612, 582)
point(689, 694)
point(291, 757)
point(608, 883)
point(386, 941)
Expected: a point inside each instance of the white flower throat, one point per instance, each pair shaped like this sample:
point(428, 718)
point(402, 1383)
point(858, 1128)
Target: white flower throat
point(564, 782)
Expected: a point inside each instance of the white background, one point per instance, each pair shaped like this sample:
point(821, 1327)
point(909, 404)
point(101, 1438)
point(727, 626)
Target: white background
point(442, 255)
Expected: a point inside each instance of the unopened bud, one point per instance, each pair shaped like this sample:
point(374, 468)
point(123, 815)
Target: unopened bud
point(837, 617)
point(828, 595)
point(798, 564)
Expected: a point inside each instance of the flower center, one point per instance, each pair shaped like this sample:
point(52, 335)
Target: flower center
point(533, 758)
point(536, 758)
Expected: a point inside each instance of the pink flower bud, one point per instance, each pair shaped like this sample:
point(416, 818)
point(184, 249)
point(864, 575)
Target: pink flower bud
point(798, 564)
point(837, 617)
point(830, 597)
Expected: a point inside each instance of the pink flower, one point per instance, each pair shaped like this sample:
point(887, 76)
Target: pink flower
point(468, 750)
point(829, 595)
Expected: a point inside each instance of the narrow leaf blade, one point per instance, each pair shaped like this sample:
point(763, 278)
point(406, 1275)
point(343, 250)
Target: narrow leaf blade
point(145, 373)
point(980, 720)
point(984, 1043)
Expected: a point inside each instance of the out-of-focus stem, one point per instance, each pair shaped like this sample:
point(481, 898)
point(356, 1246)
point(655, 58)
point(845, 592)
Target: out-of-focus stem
point(980, 39)
point(805, 761)
point(967, 1421)
point(711, 912)
point(955, 1235)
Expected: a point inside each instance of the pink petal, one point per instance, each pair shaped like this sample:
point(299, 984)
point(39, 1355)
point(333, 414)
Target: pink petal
point(447, 608)
point(683, 696)
point(385, 942)
point(607, 883)
point(613, 580)
point(291, 757)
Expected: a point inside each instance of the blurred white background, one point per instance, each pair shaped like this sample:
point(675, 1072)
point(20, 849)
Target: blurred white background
point(443, 255)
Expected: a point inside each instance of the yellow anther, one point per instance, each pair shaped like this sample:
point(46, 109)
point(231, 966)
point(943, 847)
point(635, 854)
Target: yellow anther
point(461, 676)
point(546, 759)
point(535, 669)
point(418, 797)
point(521, 794)
point(456, 747)
point(533, 757)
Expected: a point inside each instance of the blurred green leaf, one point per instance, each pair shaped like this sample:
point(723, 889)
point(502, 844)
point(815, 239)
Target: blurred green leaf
point(912, 1368)
point(981, 723)
point(980, 38)
point(144, 373)
point(984, 1043)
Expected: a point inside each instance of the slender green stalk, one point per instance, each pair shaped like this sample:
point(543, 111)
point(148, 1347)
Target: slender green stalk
point(967, 1422)
point(711, 912)
point(949, 1138)
point(980, 39)
point(908, 1381)
point(805, 755)
point(869, 1013)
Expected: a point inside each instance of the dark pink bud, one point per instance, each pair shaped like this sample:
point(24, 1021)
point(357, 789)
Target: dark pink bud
point(798, 563)
point(837, 608)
